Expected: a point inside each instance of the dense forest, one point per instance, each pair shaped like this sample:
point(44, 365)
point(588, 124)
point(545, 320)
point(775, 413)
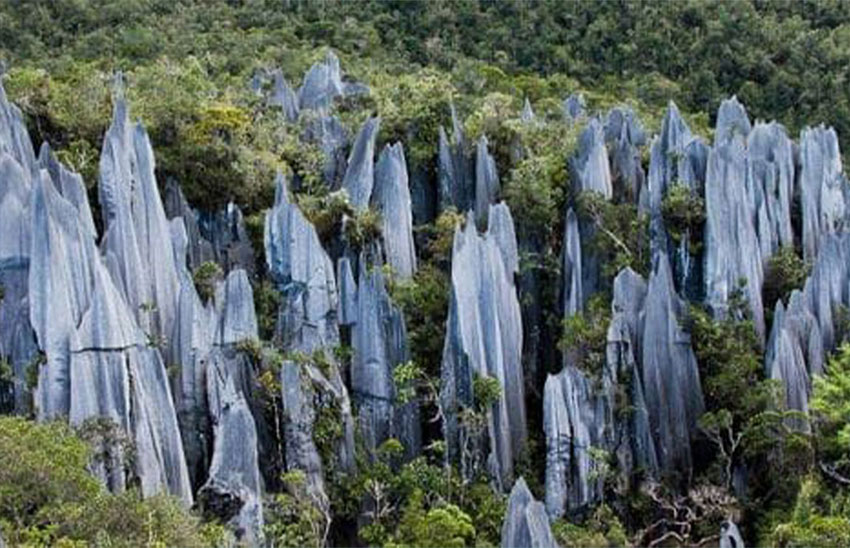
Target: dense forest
point(424, 273)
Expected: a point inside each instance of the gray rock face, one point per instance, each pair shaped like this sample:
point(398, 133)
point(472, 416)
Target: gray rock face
point(98, 361)
point(379, 340)
point(304, 274)
point(732, 246)
point(328, 133)
point(526, 524)
point(527, 114)
point(136, 240)
point(771, 162)
point(455, 169)
point(823, 203)
point(392, 198)
point(486, 182)
point(220, 236)
point(323, 83)
point(730, 537)
point(732, 122)
point(574, 107)
point(624, 137)
point(576, 419)
point(671, 381)
point(573, 294)
point(284, 97)
point(484, 337)
point(232, 490)
point(593, 173)
point(360, 176)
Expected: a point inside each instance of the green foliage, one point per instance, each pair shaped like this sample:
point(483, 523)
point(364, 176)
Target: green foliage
point(424, 301)
point(815, 521)
point(620, 239)
point(486, 391)
point(602, 529)
point(292, 518)
point(205, 278)
point(831, 407)
point(442, 526)
point(48, 497)
point(785, 272)
point(266, 301)
point(584, 336)
point(684, 212)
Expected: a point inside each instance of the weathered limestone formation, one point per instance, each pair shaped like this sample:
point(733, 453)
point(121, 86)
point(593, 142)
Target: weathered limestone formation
point(136, 241)
point(671, 381)
point(379, 341)
point(624, 137)
point(360, 176)
point(307, 324)
point(391, 197)
point(574, 107)
point(573, 294)
point(822, 187)
point(220, 237)
point(323, 83)
point(455, 169)
point(576, 419)
point(328, 133)
point(486, 182)
point(284, 97)
point(526, 524)
point(484, 337)
point(304, 274)
point(730, 537)
point(590, 166)
point(527, 114)
point(579, 411)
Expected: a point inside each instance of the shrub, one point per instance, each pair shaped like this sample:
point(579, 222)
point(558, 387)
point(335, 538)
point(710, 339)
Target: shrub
point(205, 278)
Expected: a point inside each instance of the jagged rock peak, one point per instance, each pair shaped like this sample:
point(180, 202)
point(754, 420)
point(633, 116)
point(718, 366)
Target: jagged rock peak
point(822, 187)
point(591, 162)
point(732, 121)
point(233, 490)
point(526, 524)
point(392, 198)
point(486, 181)
point(527, 114)
point(323, 83)
point(671, 380)
point(574, 107)
point(136, 240)
point(283, 96)
point(730, 537)
point(304, 274)
point(360, 175)
point(576, 417)
point(484, 337)
point(573, 293)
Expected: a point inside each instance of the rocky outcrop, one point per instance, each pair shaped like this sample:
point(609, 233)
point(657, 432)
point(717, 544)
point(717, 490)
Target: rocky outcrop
point(576, 420)
point(304, 274)
point(360, 176)
point(323, 83)
point(484, 338)
point(590, 166)
point(456, 187)
point(574, 107)
point(328, 133)
point(486, 182)
point(232, 491)
point(220, 237)
point(526, 524)
point(573, 294)
point(527, 114)
point(624, 136)
point(730, 537)
point(671, 381)
point(822, 187)
point(379, 341)
point(392, 199)
point(283, 97)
